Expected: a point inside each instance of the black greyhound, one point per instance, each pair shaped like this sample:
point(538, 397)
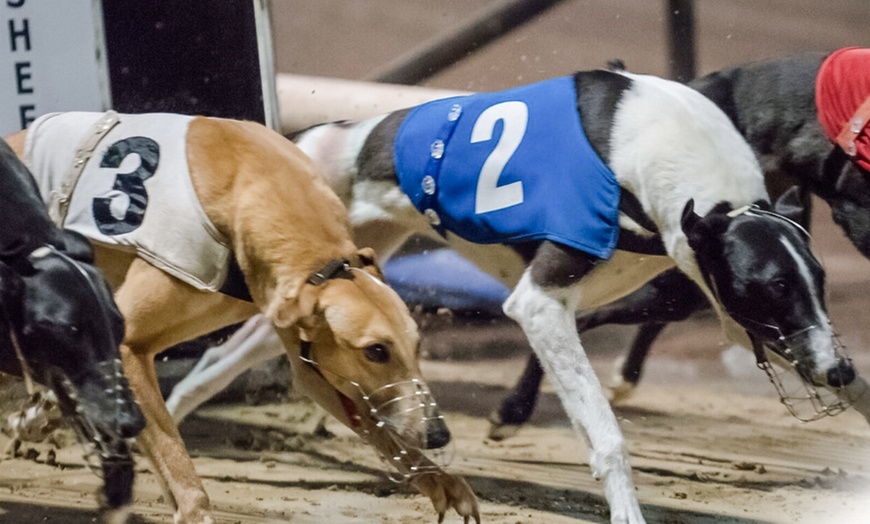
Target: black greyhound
point(772, 105)
point(59, 326)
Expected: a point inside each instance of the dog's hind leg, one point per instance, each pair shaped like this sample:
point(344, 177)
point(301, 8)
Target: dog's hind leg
point(161, 311)
point(255, 342)
point(516, 409)
point(670, 297)
point(543, 303)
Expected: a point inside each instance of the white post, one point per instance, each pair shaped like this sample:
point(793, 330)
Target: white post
point(305, 101)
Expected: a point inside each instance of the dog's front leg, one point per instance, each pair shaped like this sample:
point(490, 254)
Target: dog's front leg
point(546, 315)
point(161, 442)
point(161, 311)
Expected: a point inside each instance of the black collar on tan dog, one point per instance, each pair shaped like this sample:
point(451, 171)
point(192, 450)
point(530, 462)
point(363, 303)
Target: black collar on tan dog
point(338, 268)
point(235, 285)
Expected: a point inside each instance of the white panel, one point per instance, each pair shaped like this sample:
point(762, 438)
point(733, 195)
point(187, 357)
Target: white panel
point(51, 59)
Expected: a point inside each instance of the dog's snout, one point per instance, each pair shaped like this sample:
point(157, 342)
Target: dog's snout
point(842, 374)
point(437, 434)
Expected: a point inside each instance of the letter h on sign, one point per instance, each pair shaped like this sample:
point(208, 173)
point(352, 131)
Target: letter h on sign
point(19, 40)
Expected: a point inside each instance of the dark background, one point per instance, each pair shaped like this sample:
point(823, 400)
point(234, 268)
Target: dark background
point(191, 56)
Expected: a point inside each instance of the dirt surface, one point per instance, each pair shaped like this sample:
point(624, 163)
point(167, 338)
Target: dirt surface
point(709, 440)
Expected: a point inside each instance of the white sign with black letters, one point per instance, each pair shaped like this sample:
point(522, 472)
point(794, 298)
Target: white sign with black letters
point(52, 58)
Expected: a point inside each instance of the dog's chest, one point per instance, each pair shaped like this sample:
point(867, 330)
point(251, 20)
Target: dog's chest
point(132, 192)
point(509, 167)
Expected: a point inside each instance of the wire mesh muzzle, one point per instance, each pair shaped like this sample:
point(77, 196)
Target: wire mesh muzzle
point(798, 392)
point(104, 448)
point(395, 422)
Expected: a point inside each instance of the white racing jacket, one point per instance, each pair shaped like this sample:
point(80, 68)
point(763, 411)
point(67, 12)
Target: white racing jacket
point(123, 181)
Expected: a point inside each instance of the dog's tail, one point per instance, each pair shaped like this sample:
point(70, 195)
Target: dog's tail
point(616, 65)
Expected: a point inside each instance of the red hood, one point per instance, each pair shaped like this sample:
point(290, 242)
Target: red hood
point(842, 87)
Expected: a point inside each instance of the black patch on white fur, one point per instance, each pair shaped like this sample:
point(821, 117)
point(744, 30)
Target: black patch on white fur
point(556, 265)
point(598, 95)
point(375, 159)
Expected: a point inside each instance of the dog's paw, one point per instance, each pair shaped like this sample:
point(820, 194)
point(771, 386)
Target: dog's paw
point(498, 430)
point(632, 517)
point(448, 491)
point(619, 389)
point(116, 515)
point(618, 393)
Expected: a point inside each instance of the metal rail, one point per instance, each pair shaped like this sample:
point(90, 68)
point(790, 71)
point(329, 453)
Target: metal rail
point(681, 41)
point(442, 51)
point(432, 56)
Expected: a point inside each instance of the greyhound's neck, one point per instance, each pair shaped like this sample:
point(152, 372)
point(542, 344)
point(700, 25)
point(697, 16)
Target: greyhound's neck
point(373, 204)
point(334, 148)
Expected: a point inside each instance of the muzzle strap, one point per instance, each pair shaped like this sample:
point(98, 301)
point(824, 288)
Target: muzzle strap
point(758, 349)
point(25, 368)
point(338, 268)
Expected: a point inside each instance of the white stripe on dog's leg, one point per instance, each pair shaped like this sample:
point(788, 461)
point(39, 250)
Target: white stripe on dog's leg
point(547, 318)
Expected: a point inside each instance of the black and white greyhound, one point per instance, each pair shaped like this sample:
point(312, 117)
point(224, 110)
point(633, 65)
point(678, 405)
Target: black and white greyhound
point(673, 184)
point(60, 327)
point(772, 104)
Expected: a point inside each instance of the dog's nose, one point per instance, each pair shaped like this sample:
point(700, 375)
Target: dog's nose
point(841, 375)
point(437, 434)
point(131, 420)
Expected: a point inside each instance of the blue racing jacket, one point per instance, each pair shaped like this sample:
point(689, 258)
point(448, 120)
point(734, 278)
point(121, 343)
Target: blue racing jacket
point(510, 166)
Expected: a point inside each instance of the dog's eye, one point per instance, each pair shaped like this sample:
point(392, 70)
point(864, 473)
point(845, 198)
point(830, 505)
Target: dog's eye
point(377, 353)
point(779, 286)
point(70, 332)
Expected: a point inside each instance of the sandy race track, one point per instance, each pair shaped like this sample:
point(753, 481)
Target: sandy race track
point(701, 454)
point(709, 441)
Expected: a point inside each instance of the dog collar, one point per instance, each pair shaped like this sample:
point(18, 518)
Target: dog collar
point(338, 268)
point(740, 210)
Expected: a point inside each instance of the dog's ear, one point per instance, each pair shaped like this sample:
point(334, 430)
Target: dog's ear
point(689, 219)
point(368, 262)
point(292, 304)
point(615, 64)
point(11, 289)
point(790, 205)
point(14, 256)
point(704, 233)
point(77, 246)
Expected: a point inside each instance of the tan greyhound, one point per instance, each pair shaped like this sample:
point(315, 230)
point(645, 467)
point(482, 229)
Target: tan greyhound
point(240, 197)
